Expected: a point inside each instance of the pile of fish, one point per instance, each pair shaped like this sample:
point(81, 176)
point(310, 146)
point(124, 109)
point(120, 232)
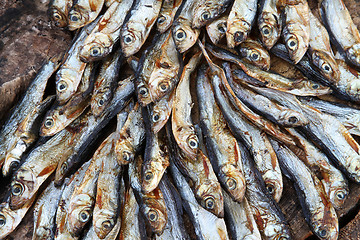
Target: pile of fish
point(165, 112)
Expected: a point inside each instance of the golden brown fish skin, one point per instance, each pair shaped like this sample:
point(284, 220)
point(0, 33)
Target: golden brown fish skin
point(101, 40)
point(165, 74)
point(221, 145)
point(156, 157)
point(167, 14)
point(70, 73)
point(240, 21)
point(296, 32)
point(25, 135)
point(84, 12)
point(269, 22)
point(184, 35)
point(182, 125)
point(10, 218)
point(59, 10)
point(257, 76)
point(206, 11)
point(42, 162)
point(151, 204)
point(216, 30)
point(132, 134)
point(135, 31)
point(320, 50)
point(59, 117)
point(160, 112)
point(255, 54)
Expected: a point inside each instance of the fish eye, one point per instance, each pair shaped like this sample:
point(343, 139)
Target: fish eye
point(49, 122)
point(155, 117)
point(62, 85)
point(101, 102)
point(14, 165)
point(205, 16)
point(340, 195)
point(315, 86)
point(148, 176)
point(56, 16)
point(95, 51)
point(326, 67)
point(180, 35)
point(293, 120)
point(231, 183)
point(322, 233)
point(239, 36)
point(2, 220)
point(84, 216)
point(193, 142)
point(128, 39)
point(210, 203)
point(266, 31)
point(222, 28)
point(254, 55)
point(152, 215)
point(161, 19)
point(75, 17)
point(106, 224)
point(126, 156)
point(270, 188)
point(292, 44)
point(143, 91)
point(164, 86)
point(17, 189)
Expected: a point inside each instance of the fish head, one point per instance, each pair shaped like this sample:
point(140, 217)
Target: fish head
point(325, 224)
point(184, 36)
point(80, 211)
point(53, 122)
point(270, 29)
point(233, 180)
point(163, 22)
point(99, 100)
point(78, 17)
point(8, 220)
point(187, 140)
point(276, 231)
point(160, 114)
point(155, 211)
point(152, 172)
point(43, 233)
point(296, 41)
point(96, 47)
point(143, 93)
point(64, 86)
point(254, 53)
point(326, 64)
point(273, 185)
point(104, 222)
point(312, 87)
point(353, 54)
point(13, 156)
point(292, 118)
point(22, 187)
point(216, 30)
point(237, 32)
point(58, 17)
point(337, 192)
point(131, 38)
point(164, 82)
point(203, 13)
point(124, 151)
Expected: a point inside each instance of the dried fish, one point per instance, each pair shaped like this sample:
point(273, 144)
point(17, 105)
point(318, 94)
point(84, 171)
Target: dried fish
point(84, 12)
point(136, 28)
point(205, 11)
point(160, 112)
point(240, 21)
point(106, 33)
point(59, 10)
point(216, 30)
point(254, 53)
point(269, 22)
point(167, 14)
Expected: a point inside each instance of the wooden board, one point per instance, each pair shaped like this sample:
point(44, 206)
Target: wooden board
point(28, 38)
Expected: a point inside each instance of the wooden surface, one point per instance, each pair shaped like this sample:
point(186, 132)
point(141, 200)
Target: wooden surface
point(27, 38)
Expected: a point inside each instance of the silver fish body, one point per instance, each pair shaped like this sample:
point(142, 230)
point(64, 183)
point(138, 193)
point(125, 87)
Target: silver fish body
point(318, 211)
